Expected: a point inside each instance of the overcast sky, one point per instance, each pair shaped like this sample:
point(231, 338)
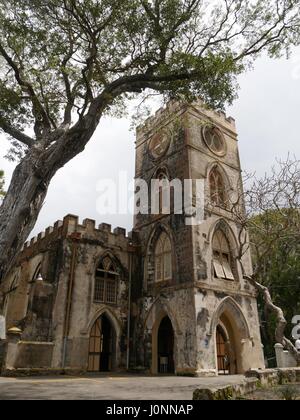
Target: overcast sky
point(267, 116)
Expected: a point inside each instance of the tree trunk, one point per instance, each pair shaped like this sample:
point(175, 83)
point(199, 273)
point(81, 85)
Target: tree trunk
point(20, 210)
point(281, 321)
point(29, 185)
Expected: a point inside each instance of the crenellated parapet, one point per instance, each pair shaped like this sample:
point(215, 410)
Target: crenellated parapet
point(70, 227)
point(50, 234)
point(219, 117)
point(173, 108)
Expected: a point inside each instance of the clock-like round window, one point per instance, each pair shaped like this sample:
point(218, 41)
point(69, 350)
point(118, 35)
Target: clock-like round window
point(159, 144)
point(214, 140)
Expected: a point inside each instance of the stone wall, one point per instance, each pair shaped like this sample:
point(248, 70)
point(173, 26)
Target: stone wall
point(56, 313)
point(239, 315)
point(33, 355)
point(2, 353)
point(284, 358)
point(178, 305)
point(174, 164)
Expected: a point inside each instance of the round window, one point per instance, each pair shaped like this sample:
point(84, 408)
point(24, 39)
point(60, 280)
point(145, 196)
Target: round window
point(159, 144)
point(214, 140)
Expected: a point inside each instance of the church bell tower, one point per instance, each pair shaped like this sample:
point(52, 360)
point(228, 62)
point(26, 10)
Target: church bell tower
point(194, 312)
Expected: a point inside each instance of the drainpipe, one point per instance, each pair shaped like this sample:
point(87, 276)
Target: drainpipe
point(130, 249)
point(69, 301)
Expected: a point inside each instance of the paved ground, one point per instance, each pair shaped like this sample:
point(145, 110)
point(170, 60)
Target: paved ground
point(119, 387)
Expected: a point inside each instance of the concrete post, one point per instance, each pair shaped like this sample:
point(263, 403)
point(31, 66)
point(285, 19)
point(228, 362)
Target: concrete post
point(279, 355)
point(13, 339)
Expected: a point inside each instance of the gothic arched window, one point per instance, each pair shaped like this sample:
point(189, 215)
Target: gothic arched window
point(163, 259)
point(37, 274)
point(161, 195)
point(222, 259)
point(217, 188)
point(106, 282)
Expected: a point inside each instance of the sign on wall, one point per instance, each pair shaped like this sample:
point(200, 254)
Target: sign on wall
point(2, 328)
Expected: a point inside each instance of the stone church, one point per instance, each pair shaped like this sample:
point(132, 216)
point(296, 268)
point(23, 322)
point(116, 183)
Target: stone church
point(168, 298)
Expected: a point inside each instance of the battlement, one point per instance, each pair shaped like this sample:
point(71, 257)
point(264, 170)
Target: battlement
point(70, 227)
point(175, 106)
point(161, 114)
point(218, 116)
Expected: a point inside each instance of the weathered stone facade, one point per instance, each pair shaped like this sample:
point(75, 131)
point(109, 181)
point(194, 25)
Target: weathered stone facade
point(170, 325)
point(60, 309)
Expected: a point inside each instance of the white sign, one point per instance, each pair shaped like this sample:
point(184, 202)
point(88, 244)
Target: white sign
point(2, 328)
point(296, 329)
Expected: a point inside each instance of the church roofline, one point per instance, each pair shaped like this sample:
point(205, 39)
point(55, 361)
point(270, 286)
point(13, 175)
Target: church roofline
point(70, 227)
point(175, 106)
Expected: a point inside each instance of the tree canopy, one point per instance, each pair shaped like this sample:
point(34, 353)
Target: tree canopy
point(58, 57)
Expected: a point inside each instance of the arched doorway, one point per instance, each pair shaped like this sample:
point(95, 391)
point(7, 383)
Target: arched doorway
point(229, 346)
point(230, 319)
point(102, 346)
point(165, 347)
point(222, 351)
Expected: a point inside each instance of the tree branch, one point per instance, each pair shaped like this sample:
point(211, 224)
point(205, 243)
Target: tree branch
point(280, 318)
point(16, 134)
point(39, 113)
